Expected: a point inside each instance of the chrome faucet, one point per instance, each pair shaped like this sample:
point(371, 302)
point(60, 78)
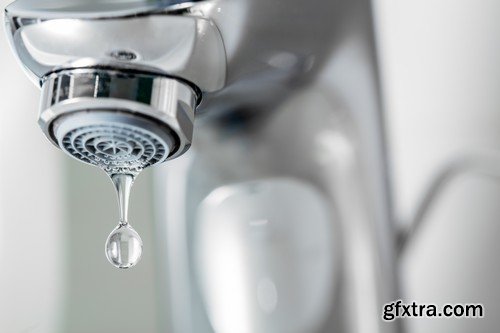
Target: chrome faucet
point(290, 129)
point(137, 65)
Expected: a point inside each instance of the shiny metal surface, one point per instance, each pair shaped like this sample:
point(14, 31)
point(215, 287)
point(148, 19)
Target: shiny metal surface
point(48, 40)
point(318, 118)
point(243, 46)
point(93, 8)
point(272, 49)
point(228, 154)
point(288, 89)
point(168, 102)
point(123, 60)
point(297, 112)
point(272, 241)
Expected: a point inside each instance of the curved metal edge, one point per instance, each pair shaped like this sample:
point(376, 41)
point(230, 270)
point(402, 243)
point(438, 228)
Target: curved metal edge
point(95, 10)
point(206, 67)
point(172, 104)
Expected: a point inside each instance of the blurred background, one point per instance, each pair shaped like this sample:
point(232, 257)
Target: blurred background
point(439, 72)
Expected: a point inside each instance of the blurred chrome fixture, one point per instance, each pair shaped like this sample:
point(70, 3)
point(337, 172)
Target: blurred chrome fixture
point(121, 80)
point(135, 65)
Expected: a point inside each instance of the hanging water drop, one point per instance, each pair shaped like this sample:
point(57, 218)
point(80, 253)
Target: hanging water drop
point(124, 245)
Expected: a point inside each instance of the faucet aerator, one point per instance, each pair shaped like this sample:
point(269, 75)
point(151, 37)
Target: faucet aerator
point(121, 122)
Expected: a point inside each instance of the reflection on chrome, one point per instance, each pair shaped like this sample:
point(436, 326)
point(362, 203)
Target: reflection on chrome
point(278, 220)
point(255, 252)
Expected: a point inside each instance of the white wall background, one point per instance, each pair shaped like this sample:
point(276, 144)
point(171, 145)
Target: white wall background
point(441, 69)
point(32, 207)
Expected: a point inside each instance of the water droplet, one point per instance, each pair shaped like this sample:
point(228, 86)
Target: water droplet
point(124, 246)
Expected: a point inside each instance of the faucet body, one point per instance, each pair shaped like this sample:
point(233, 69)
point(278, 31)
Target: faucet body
point(325, 129)
point(287, 98)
